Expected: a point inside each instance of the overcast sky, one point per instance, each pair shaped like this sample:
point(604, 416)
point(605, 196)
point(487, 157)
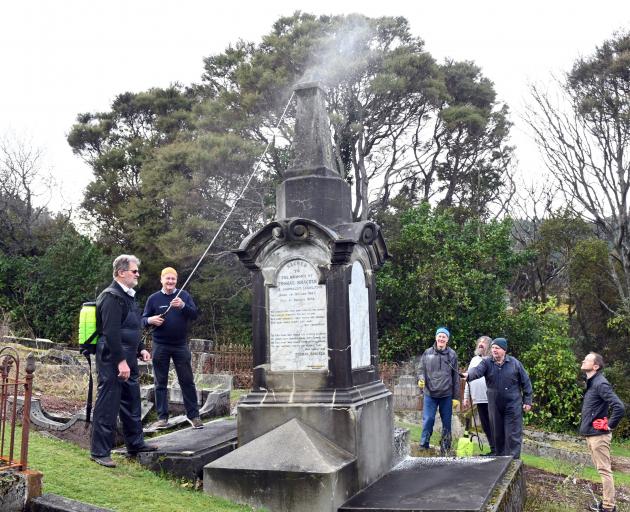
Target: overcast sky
point(60, 58)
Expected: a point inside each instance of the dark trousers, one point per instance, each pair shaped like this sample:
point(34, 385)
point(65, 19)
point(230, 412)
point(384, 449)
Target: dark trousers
point(484, 417)
point(180, 354)
point(114, 398)
point(506, 418)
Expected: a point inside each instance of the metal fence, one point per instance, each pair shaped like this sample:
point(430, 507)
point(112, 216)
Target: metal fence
point(12, 388)
point(233, 359)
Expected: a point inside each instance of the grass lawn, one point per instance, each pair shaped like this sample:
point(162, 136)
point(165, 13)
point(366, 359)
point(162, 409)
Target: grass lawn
point(570, 469)
point(129, 487)
point(69, 472)
point(620, 449)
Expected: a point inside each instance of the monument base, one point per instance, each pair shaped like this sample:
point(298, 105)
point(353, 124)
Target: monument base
point(291, 468)
point(363, 427)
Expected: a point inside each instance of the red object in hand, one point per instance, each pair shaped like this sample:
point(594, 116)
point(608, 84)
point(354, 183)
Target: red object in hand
point(601, 424)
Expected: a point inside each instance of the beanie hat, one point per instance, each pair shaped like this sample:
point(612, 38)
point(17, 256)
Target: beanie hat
point(168, 270)
point(500, 342)
point(443, 330)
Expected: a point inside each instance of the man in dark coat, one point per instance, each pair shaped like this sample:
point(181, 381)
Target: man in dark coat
point(597, 426)
point(170, 342)
point(117, 351)
point(509, 394)
point(438, 376)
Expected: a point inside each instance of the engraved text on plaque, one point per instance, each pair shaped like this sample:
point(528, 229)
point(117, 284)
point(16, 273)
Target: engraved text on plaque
point(298, 329)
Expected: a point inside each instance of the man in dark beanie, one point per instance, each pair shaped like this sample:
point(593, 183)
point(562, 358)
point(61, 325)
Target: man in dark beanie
point(509, 394)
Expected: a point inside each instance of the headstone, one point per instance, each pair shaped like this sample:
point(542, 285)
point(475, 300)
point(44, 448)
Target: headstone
point(315, 345)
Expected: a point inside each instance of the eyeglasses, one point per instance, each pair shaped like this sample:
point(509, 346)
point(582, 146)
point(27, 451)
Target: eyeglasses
point(136, 271)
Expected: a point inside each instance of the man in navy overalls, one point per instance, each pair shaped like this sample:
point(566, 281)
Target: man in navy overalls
point(509, 394)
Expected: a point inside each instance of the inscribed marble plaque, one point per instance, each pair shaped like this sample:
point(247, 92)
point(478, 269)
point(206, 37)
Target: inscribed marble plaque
point(359, 318)
point(298, 326)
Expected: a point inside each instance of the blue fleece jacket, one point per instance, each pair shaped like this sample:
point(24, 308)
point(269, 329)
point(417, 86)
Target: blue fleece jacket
point(174, 330)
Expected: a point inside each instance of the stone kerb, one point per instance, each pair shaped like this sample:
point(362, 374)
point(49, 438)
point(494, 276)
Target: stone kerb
point(18, 488)
point(39, 343)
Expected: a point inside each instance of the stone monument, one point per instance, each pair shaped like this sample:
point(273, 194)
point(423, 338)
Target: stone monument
point(317, 426)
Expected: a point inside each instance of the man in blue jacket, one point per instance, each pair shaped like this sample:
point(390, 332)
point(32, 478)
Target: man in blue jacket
point(596, 426)
point(170, 314)
point(438, 376)
point(509, 394)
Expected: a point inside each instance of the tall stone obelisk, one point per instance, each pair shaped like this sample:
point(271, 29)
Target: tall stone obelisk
point(318, 425)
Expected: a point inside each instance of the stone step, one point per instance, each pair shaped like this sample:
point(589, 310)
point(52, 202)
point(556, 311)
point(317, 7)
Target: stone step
point(184, 453)
point(55, 503)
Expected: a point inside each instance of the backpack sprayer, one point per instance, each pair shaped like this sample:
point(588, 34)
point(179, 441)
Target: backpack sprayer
point(88, 334)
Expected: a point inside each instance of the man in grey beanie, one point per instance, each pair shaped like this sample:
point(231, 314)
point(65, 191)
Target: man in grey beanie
point(509, 394)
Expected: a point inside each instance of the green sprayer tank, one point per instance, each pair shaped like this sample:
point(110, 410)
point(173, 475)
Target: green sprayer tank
point(87, 324)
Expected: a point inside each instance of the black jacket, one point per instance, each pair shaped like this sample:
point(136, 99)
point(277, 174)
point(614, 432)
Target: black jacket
point(118, 321)
point(438, 369)
point(505, 383)
point(598, 399)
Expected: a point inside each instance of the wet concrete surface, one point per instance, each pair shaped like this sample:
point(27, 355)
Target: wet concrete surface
point(433, 483)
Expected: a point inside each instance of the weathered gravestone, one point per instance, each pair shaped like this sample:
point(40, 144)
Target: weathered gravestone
point(317, 426)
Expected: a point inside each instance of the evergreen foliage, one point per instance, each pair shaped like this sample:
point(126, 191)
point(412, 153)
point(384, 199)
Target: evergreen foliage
point(445, 270)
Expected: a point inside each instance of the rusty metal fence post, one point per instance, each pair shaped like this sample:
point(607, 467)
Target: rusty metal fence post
point(9, 394)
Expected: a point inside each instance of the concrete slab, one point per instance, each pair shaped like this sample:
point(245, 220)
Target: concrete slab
point(434, 483)
point(291, 468)
point(184, 453)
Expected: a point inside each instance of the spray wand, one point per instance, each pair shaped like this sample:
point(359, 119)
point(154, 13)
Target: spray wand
point(240, 196)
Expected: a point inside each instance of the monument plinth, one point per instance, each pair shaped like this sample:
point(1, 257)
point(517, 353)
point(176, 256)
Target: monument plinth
point(314, 338)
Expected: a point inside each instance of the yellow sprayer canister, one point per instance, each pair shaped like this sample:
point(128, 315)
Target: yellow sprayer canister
point(465, 446)
point(87, 324)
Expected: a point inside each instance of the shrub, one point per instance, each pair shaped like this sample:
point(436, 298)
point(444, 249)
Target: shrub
point(445, 270)
point(553, 368)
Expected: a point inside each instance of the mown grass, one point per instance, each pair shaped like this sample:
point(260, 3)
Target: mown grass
point(69, 472)
point(571, 469)
point(620, 448)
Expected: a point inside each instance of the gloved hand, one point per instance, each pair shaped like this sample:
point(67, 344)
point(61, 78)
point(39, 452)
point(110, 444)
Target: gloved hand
point(421, 383)
point(601, 424)
point(455, 404)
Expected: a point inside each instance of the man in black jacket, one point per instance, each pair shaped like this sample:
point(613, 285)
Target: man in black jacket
point(117, 351)
point(438, 377)
point(596, 426)
point(509, 394)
